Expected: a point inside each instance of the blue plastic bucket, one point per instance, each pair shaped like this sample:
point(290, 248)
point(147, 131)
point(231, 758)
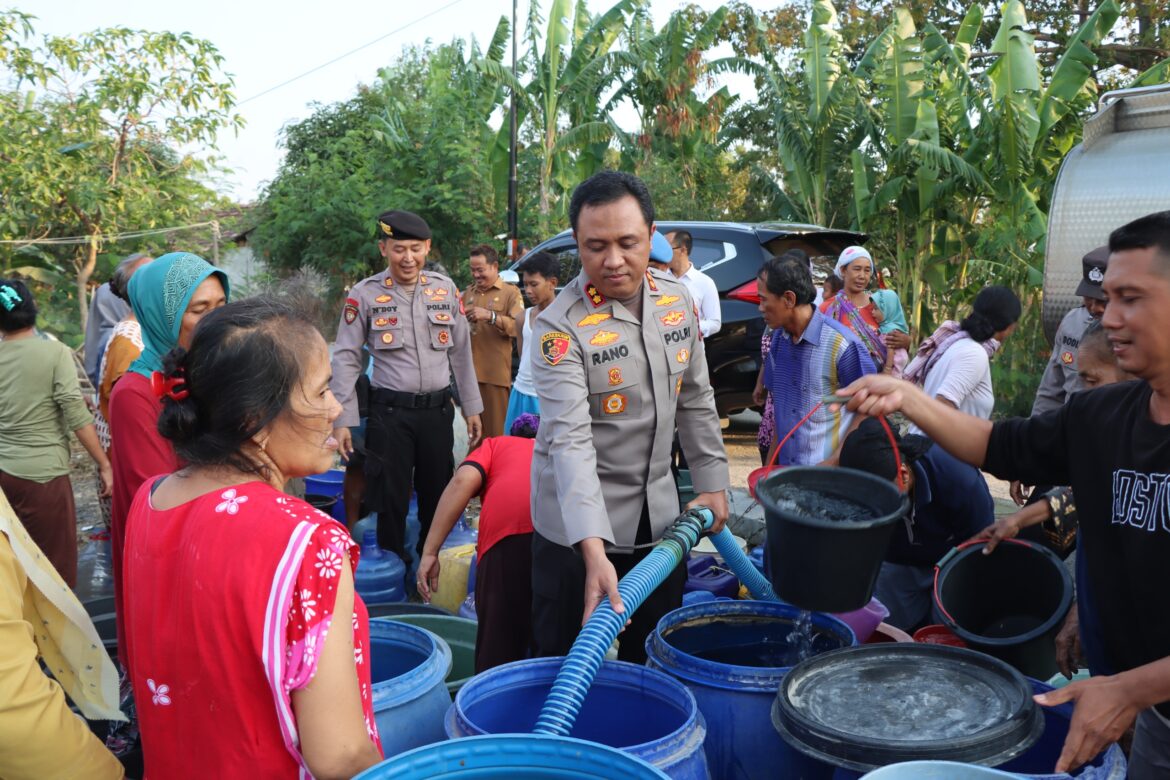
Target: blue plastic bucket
point(408, 666)
point(514, 756)
point(329, 484)
point(629, 707)
point(724, 652)
point(1036, 763)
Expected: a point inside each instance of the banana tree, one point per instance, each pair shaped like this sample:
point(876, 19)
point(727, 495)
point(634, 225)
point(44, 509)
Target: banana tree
point(561, 101)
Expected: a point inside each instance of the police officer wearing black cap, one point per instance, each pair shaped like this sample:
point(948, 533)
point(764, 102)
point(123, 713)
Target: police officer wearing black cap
point(412, 323)
point(1061, 378)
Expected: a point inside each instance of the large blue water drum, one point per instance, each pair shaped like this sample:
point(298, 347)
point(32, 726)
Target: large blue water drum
point(1036, 763)
point(521, 756)
point(732, 655)
point(632, 708)
point(408, 666)
point(328, 484)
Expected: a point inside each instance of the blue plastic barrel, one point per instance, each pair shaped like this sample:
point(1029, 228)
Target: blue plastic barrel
point(408, 666)
point(380, 575)
point(329, 484)
point(1036, 763)
point(536, 756)
point(731, 655)
point(643, 712)
point(935, 770)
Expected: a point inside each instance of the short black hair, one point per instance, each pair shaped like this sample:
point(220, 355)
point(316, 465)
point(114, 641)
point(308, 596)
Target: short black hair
point(868, 448)
point(607, 187)
point(1095, 339)
point(683, 237)
point(1152, 230)
point(544, 263)
point(244, 363)
point(486, 252)
point(996, 307)
point(781, 275)
point(18, 309)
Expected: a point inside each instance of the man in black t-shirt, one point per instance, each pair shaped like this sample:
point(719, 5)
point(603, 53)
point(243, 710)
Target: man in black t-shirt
point(1112, 445)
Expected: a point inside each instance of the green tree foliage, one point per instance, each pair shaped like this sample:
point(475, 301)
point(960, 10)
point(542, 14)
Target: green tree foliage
point(89, 133)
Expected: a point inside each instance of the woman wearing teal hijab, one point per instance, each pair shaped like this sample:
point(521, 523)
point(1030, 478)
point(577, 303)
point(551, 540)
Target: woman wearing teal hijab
point(169, 296)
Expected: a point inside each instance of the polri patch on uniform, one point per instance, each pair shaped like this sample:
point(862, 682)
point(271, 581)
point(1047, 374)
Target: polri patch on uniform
point(673, 318)
point(683, 355)
point(615, 377)
point(604, 338)
point(351, 311)
point(554, 345)
point(1066, 358)
point(593, 319)
point(614, 403)
point(595, 297)
point(383, 299)
point(444, 337)
point(387, 338)
point(667, 300)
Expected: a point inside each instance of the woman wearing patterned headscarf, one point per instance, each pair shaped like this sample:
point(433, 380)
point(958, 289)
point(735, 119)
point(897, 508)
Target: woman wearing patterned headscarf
point(169, 296)
point(40, 403)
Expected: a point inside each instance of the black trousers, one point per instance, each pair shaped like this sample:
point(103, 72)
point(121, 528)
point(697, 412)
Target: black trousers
point(503, 603)
point(558, 597)
point(406, 447)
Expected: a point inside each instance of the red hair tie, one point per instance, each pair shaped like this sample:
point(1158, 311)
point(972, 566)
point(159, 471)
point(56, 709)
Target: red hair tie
point(172, 387)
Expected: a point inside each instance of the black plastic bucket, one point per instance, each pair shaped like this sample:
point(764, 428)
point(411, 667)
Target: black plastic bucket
point(825, 547)
point(1009, 604)
point(865, 707)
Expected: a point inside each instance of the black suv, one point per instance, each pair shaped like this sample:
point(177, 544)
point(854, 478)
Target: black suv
point(731, 253)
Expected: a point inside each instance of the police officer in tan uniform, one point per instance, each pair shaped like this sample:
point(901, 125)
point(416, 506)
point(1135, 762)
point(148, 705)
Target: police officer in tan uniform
point(413, 324)
point(617, 361)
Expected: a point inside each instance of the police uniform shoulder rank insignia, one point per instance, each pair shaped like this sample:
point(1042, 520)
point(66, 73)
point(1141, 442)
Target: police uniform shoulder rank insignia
point(444, 337)
point(387, 338)
point(683, 355)
point(351, 311)
point(388, 282)
point(383, 299)
point(615, 376)
point(1066, 358)
point(667, 300)
point(554, 345)
point(603, 338)
point(443, 317)
point(594, 296)
point(673, 318)
point(593, 319)
point(423, 279)
point(651, 283)
point(614, 403)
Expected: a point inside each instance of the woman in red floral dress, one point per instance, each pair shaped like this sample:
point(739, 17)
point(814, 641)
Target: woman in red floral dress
point(246, 643)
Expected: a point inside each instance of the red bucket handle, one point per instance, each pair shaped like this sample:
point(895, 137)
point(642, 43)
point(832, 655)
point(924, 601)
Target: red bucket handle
point(811, 412)
point(938, 567)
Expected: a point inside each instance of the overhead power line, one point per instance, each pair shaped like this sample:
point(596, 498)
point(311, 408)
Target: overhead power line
point(104, 238)
point(350, 52)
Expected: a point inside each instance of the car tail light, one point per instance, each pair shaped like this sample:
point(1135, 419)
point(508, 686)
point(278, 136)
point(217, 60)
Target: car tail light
point(748, 293)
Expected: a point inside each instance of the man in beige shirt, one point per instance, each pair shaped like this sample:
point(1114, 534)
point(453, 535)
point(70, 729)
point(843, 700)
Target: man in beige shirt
point(617, 362)
point(492, 308)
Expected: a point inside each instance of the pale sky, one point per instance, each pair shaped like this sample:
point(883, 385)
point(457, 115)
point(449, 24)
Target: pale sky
point(266, 43)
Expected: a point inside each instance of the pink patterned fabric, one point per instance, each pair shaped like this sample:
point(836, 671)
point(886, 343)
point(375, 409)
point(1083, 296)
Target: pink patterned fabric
point(229, 600)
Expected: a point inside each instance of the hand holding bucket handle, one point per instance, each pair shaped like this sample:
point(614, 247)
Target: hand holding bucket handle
point(938, 567)
point(757, 474)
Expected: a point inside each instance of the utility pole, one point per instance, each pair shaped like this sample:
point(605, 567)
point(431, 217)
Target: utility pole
point(513, 239)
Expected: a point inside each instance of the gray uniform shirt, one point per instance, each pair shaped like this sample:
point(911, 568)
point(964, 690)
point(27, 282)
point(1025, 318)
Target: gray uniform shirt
point(1060, 378)
point(611, 391)
point(415, 343)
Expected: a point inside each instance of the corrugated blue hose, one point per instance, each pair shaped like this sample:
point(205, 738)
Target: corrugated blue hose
point(588, 651)
point(734, 558)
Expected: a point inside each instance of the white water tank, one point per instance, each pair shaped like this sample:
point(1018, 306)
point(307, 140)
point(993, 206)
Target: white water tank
point(1119, 172)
